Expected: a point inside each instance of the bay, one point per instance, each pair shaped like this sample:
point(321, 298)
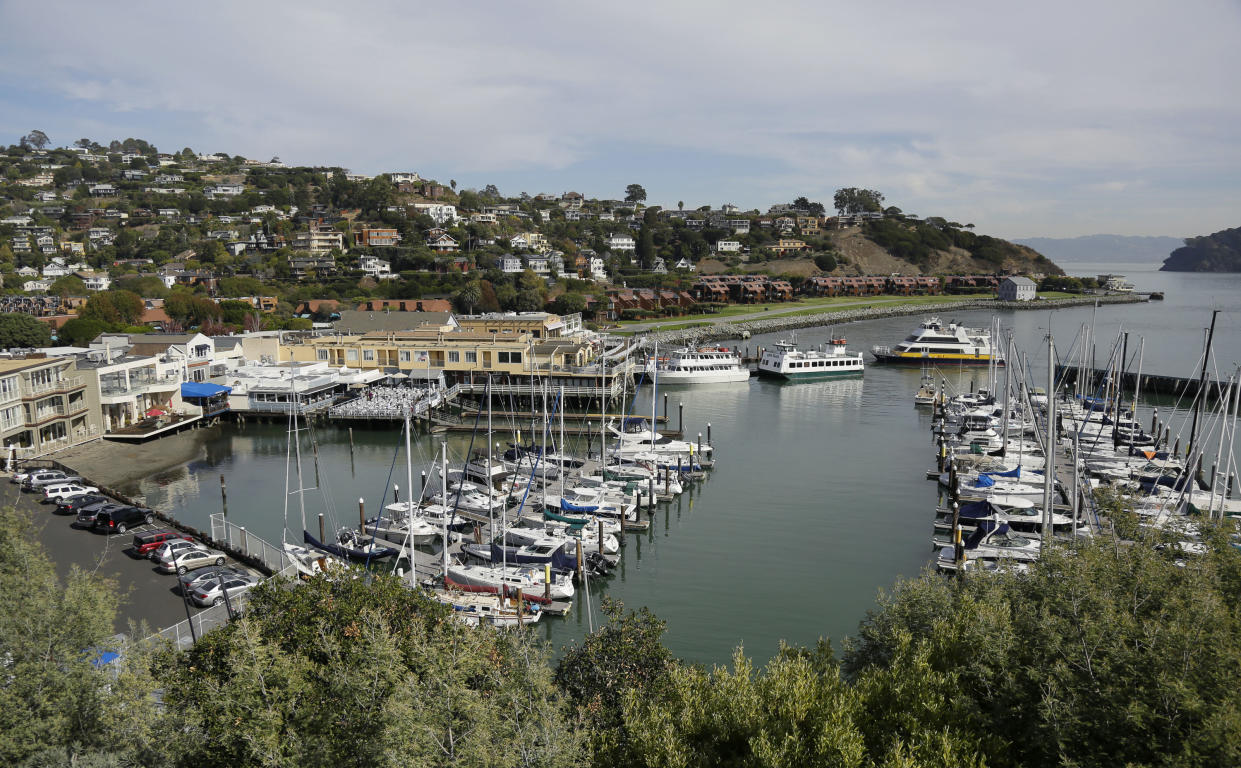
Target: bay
point(817, 502)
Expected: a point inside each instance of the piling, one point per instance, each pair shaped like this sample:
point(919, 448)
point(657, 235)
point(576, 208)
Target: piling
point(362, 515)
point(681, 418)
point(700, 446)
point(1155, 422)
point(424, 479)
point(1232, 477)
point(1177, 449)
point(665, 407)
point(580, 545)
point(1212, 478)
point(519, 606)
point(650, 485)
point(322, 537)
point(624, 522)
point(667, 485)
point(957, 546)
point(315, 446)
point(547, 579)
point(224, 495)
point(351, 444)
point(600, 538)
point(709, 434)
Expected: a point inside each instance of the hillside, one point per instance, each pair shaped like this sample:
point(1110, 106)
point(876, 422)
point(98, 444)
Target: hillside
point(931, 247)
point(1218, 252)
point(1103, 248)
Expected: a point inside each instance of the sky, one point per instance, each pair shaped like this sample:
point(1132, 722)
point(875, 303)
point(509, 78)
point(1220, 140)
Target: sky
point(1052, 119)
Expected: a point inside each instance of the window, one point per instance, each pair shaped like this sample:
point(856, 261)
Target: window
point(454, 357)
point(351, 355)
point(405, 356)
point(508, 357)
point(471, 357)
point(8, 388)
point(368, 355)
point(325, 354)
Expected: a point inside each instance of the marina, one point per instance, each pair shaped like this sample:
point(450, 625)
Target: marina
point(809, 445)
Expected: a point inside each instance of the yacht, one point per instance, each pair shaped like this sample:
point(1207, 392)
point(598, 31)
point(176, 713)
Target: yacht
point(938, 342)
point(704, 365)
point(788, 362)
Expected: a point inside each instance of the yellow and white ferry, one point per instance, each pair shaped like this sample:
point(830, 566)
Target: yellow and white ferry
point(937, 342)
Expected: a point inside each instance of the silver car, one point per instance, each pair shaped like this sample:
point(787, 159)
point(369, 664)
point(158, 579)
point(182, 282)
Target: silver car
point(190, 559)
point(209, 592)
point(173, 546)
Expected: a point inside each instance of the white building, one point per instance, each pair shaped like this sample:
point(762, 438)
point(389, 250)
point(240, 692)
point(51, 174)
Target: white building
point(441, 214)
point(598, 271)
point(510, 264)
point(728, 246)
point(378, 268)
point(223, 190)
point(621, 243)
point(1017, 289)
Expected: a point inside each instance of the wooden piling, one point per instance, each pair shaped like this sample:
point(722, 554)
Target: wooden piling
point(322, 536)
point(600, 537)
point(224, 495)
point(681, 417)
point(547, 580)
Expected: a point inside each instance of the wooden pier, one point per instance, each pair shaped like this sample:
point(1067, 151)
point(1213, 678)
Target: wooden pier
point(1152, 384)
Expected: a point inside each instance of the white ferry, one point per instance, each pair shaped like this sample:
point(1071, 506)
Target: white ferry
point(938, 342)
point(705, 365)
point(788, 362)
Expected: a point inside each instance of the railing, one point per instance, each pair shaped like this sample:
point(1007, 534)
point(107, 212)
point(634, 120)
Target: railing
point(265, 407)
point(140, 387)
point(238, 538)
point(52, 387)
point(184, 634)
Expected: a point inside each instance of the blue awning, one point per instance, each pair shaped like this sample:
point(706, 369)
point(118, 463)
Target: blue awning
point(202, 389)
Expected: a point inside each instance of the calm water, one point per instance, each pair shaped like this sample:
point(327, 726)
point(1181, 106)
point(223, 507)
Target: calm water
point(818, 502)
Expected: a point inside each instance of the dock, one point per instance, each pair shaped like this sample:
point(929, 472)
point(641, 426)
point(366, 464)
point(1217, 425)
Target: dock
point(1152, 384)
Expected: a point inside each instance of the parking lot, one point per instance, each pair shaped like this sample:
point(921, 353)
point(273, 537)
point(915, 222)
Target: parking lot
point(149, 595)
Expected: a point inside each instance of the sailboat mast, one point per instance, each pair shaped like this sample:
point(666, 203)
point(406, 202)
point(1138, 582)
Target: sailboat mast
point(1007, 403)
point(297, 445)
point(444, 498)
point(409, 503)
point(1049, 478)
point(491, 521)
point(654, 393)
point(1202, 378)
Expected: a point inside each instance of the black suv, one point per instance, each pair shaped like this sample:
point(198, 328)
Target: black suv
point(89, 513)
point(74, 505)
point(121, 520)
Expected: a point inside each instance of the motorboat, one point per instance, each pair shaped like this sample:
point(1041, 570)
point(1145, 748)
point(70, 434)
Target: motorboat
point(935, 341)
point(703, 365)
point(788, 362)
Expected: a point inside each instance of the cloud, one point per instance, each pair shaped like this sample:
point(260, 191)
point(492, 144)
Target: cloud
point(1009, 116)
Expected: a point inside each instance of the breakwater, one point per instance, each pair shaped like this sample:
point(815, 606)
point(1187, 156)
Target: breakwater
point(737, 330)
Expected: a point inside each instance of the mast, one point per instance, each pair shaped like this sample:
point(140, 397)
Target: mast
point(491, 522)
point(1007, 396)
point(1226, 406)
point(444, 498)
point(654, 394)
point(1049, 470)
point(1137, 393)
point(409, 504)
point(1202, 378)
point(297, 446)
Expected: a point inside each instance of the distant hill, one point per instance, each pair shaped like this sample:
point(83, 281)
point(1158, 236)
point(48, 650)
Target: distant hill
point(1219, 252)
point(1104, 248)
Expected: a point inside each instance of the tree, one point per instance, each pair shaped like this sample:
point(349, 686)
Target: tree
point(468, 297)
point(825, 262)
point(114, 307)
point(83, 143)
point(852, 200)
point(491, 192)
point(680, 205)
point(21, 330)
point(569, 303)
point(37, 139)
point(645, 250)
point(363, 672)
point(80, 331)
point(67, 285)
point(634, 193)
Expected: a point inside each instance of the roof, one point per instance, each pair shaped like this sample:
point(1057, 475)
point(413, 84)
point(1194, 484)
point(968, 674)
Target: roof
point(202, 389)
point(353, 321)
point(10, 365)
point(1021, 281)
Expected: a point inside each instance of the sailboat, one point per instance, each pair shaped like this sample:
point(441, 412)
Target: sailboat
point(306, 560)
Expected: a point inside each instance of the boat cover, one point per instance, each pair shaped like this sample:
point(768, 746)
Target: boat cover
point(569, 506)
point(984, 481)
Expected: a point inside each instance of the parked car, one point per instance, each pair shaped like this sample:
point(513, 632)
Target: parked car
point(71, 506)
point(88, 515)
point(147, 542)
point(46, 477)
point(20, 477)
point(59, 491)
point(121, 520)
point(209, 592)
point(172, 546)
point(195, 579)
point(190, 559)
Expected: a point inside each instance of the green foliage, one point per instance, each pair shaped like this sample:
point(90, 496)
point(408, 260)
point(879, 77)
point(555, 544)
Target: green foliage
point(825, 261)
point(1218, 252)
point(190, 310)
point(569, 303)
point(1100, 656)
point(81, 331)
point(468, 297)
point(21, 330)
point(67, 285)
point(363, 672)
point(117, 306)
point(634, 193)
point(51, 694)
point(851, 200)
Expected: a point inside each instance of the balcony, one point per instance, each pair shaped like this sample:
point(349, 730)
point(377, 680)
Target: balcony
point(139, 387)
point(32, 391)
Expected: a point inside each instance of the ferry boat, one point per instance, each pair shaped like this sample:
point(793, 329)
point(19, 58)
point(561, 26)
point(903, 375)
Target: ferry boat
point(705, 365)
point(935, 341)
point(788, 362)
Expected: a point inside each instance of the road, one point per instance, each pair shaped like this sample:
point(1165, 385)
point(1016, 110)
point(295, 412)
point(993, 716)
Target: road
point(150, 595)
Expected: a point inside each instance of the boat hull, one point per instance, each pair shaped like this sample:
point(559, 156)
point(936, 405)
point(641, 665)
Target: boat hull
point(940, 359)
point(727, 377)
point(809, 375)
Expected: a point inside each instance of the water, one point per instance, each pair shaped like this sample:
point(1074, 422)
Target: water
point(818, 502)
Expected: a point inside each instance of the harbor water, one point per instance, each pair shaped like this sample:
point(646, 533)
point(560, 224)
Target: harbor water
point(819, 498)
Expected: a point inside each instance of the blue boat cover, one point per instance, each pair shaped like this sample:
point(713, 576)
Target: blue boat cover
point(1010, 473)
point(569, 506)
point(984, 481)
point(976, 510)
point(202, 389)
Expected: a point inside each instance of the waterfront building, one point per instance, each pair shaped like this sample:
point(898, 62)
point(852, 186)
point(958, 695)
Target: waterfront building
point(1017, 289)
point(260, 388)
point(128, 386)
point(44, 406)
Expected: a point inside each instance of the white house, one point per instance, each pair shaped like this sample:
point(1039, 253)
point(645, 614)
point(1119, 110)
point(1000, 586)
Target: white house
point(378, 268)
point(404, 177)
point(510, 264)
point(659, 267)
point(102, 190)
point(620, 243)
point(98, 281)
point(728, 246)
point(36, 285)
point(598, 271)
point(441, 214)
point(223, 190)
point(686, 264)
point(1017, 289)
point(537, 263)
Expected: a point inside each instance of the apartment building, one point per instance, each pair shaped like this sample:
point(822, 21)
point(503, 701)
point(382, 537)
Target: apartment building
point(45, 405)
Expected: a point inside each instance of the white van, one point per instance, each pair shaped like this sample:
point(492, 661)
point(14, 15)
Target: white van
point(62, 491)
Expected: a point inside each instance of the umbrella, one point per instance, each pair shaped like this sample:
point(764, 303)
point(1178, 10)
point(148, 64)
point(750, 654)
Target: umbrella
point(156, 411)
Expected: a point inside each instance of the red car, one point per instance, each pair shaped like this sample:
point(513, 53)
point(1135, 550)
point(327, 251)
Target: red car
point(148, 541)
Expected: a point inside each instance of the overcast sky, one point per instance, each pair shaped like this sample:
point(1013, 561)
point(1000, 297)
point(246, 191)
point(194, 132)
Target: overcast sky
point(1032, 119)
